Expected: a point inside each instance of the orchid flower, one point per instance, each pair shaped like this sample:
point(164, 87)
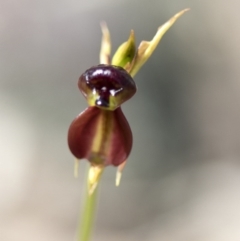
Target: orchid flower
point(101, 133)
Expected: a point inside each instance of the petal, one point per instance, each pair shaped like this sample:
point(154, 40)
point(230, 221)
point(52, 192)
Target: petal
point(146, 49)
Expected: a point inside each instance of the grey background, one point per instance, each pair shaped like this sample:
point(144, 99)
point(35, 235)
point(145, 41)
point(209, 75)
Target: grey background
point(183, 175)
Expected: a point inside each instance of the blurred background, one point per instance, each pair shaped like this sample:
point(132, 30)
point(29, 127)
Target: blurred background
point(182, 179)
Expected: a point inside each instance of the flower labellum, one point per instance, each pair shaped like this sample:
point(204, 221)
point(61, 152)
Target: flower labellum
point(101, 133)
point(106, 86)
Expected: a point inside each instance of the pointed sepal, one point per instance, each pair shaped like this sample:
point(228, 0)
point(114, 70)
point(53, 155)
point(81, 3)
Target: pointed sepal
point(105, 51)
point(126, 52)
point(146, 48)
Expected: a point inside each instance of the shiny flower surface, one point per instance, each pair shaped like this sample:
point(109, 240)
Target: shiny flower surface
point(106, 86)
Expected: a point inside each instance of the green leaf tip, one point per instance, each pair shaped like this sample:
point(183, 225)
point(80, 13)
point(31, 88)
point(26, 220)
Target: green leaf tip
point(146, 48)
point(125, 52)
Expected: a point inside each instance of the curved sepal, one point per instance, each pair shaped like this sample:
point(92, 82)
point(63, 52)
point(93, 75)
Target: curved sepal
point(146, 48)
point(105, 51)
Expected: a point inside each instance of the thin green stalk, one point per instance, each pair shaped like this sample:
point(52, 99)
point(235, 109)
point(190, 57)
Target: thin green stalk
point(87, 218)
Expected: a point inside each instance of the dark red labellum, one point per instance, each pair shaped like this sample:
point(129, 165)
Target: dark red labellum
point(107, 86)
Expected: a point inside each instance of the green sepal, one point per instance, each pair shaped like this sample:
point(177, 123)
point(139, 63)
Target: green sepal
point(146, 48)
point(126, 52)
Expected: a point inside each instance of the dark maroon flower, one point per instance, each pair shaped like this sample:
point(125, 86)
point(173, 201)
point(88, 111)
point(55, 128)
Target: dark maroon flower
point(101, 133)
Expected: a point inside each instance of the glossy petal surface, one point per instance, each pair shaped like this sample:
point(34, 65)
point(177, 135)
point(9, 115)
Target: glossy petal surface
point(106, 86)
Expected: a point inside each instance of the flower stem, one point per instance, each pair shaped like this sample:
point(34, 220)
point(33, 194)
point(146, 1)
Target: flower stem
point(87, 219)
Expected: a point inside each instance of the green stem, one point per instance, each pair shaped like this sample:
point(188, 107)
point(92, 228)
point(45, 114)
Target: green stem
point(86, 225)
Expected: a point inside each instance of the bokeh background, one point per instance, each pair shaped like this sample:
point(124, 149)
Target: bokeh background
point(182, 181)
